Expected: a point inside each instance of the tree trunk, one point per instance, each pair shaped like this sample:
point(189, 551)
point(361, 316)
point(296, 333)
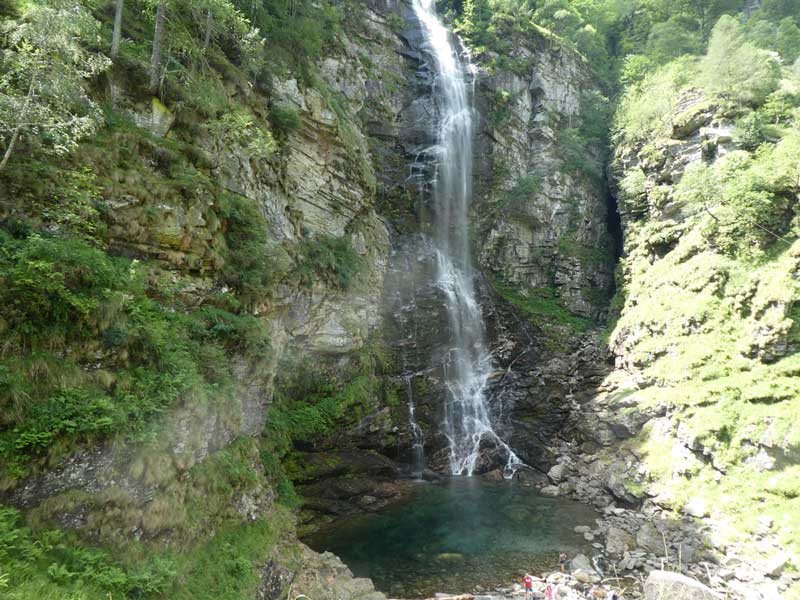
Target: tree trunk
point(158, 39)
point(115, 38)
point(209, 25)
point(15, 136)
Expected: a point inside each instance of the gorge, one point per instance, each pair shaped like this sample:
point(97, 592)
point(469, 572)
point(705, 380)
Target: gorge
point(443, 287)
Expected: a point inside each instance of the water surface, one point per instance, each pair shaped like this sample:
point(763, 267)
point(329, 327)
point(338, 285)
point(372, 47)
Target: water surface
point(455, 535)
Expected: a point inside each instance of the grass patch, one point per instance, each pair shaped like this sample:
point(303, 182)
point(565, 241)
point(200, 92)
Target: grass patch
point(544, 307)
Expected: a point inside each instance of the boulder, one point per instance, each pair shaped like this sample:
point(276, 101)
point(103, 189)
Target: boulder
point(666, 585)
point(550, 490)
point(582, 528)
point(619, 541)
point(775, 565)
point(581, 561)
point(649, 538)
point(586, 576)
point(557, 473)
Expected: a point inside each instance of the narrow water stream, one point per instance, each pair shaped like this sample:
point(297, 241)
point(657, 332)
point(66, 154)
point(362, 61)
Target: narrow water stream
point(458, 534)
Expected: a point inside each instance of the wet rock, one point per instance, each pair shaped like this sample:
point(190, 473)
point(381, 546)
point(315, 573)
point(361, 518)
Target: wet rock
point(557, 473)
point(550, 490)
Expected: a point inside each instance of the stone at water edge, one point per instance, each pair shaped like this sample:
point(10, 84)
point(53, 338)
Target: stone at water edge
point(586, 576)
point(557, 472)
point(666, 585)
point(550, 490)
point(582, 529)
point(580, 561)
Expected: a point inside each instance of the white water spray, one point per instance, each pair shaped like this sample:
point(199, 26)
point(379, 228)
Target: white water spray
point(466, 416)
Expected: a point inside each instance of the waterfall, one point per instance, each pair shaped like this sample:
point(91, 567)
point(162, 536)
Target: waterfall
point(466, 422)
point(417, 436)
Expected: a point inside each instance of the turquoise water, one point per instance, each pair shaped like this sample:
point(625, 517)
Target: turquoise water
point(455, 535)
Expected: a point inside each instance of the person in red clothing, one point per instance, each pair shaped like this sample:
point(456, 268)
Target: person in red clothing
point(528, 581)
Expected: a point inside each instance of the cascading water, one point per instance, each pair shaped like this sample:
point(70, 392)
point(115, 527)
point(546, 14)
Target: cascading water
point(466, 420)
point(418, 437)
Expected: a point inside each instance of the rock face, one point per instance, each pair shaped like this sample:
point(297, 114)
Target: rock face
point(651, 444)
point(320, 184)
point(541, 222)
point(665, 585)
point(313, 575)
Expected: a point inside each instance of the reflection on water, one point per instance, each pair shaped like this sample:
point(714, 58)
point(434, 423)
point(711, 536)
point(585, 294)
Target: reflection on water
point(454, 535)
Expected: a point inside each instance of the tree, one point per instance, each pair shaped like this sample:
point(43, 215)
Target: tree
point(158, 40)
point(45, 66)
point(734, 66)
point(788, 40)
point(117, 34)
point(671, 39)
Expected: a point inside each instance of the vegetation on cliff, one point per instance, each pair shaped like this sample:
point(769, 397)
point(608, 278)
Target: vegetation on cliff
point(136, 279)
point(705, 144)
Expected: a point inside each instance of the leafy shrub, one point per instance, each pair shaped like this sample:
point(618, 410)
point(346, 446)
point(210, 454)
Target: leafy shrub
point(65, 304)
point(634, 68)
point(284, 121)
point(332, 259)
point(52, 283)
point(749, 132)
point(543, 305)
point(782, 36)
point(499, 113)
point(670, 39)
point(240, 128)
point(252, 262)
point(53, 564)
point(523, 192)
point(633, 189)
point(646, 109)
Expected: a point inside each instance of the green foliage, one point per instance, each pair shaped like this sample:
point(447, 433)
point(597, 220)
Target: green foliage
point(65, 304)
point(313, 403)
point(635, 67)
point(499, 113)
point(750, 131)
point(523, 192)
point(284, 120)
point(543, 305)
point(646, 109)
point(583, 148)
point(241, 129)
point(228, 566)
point(45, 67)
point(782, 36)
point(52, 564)
point(745, 197)
point(330, 259)
point(670, 39)
point(296, 33)
point(735, 67)
point(253, 263)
